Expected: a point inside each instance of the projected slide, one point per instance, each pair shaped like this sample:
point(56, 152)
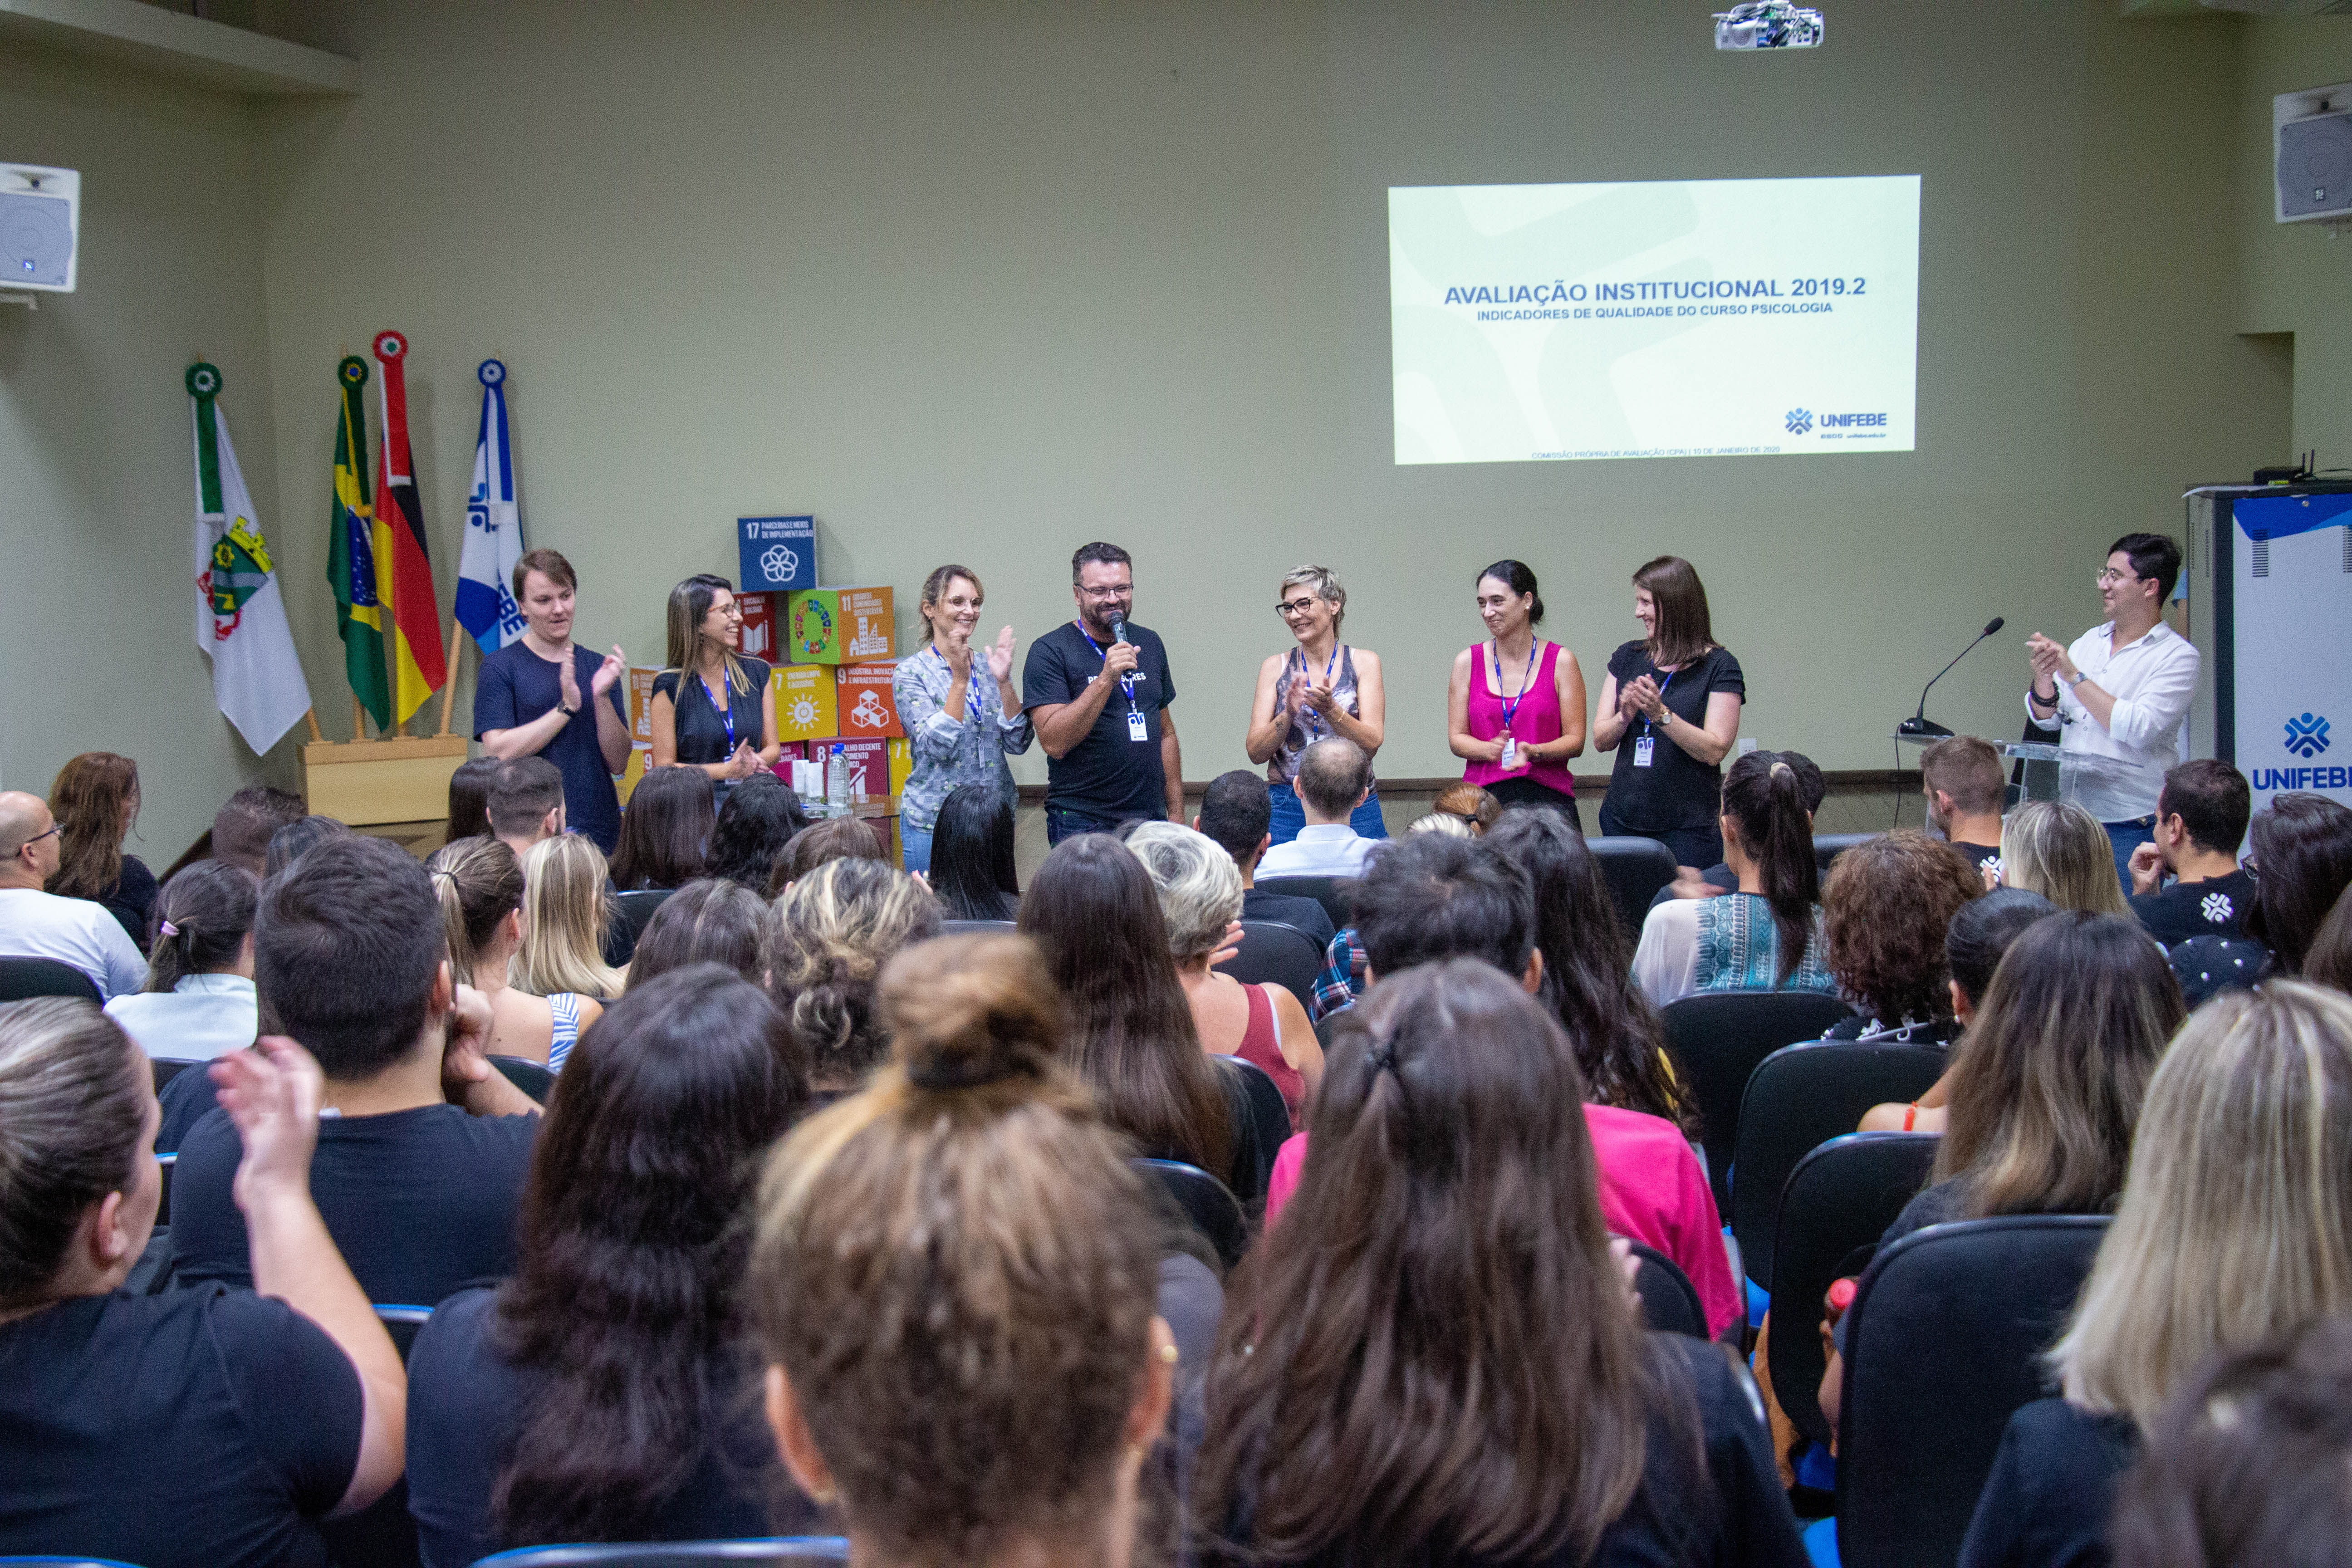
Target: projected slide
point(1692, 318)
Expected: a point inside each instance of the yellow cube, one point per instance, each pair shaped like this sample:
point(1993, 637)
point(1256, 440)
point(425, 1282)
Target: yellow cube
point(807, 703)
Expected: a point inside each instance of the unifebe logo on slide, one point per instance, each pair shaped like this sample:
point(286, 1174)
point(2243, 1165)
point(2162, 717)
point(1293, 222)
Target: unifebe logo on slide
point(1661, 320)
point(2307, 736)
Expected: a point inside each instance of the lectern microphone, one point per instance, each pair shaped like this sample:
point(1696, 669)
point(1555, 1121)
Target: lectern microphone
point(1919, 723)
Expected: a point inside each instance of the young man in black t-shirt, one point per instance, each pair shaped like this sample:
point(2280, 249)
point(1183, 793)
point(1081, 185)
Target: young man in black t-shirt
point(1966, 788)
point(1098, 689)
point(2201, 819)
point(423, 1145)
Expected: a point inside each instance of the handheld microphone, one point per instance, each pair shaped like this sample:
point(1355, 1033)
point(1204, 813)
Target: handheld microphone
point(1117, 627)
point(1919, 723)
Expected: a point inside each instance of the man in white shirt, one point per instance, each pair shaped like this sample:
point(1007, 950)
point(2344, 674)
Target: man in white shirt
point(35, 924)
point(2121, 693)
point(1335, 776)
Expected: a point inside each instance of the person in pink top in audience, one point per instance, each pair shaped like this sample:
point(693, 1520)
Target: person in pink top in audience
point(1430, 898)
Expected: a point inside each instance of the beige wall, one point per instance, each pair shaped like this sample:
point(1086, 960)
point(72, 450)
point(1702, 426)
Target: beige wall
point(984, 281)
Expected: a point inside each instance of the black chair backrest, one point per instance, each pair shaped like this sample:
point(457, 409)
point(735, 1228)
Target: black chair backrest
point(1634, 868)
point(1670, 1301)
point(535, 1078)
point(165, 1070)
point(1838, 1201)
point(632, 912)
point(401, 1322)
point(22, 979)
point(163, 1203)
point(1828, 847)
point(781, 1553)
point(1943, 1343)
point(1212, 1207)
point(1799, 1099)
point(1276, 954)
point(1336, 894)
point(1718, 1038)
point(978, 927)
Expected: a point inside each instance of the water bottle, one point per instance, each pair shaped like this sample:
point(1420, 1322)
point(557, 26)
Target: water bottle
point(836, 784)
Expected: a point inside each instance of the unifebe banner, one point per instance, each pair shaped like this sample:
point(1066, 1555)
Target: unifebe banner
point(2291, 644)
point(1687, 319)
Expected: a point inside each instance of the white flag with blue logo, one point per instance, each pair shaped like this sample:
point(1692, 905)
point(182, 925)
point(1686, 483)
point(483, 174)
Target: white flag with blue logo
point(486, 603)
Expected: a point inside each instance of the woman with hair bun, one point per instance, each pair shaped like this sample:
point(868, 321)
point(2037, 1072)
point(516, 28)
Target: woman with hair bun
point(480, 886)
point(1670, 710)
point(1319, 686)
point(827, 939)
point(199, 1002)
point(1514, 706)
point(1766, 936)
point(954, 1284)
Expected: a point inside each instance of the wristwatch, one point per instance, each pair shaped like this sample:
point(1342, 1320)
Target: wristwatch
point(567, 712)
point(2075, 679)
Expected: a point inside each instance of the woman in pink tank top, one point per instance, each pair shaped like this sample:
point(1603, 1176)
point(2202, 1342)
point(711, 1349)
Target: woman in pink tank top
point(1515, 707)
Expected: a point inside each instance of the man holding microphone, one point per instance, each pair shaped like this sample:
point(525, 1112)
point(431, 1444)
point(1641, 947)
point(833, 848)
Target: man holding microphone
point(1097, 690)
point(2121, 692)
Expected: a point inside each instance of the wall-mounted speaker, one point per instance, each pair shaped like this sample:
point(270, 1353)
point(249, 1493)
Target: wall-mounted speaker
point(40, 223)
point(2312, 147)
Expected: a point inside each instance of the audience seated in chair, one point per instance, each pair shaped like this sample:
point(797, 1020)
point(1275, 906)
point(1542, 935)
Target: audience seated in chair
point(1813, 788)
point(2249, 1462)
point(480, 887)
point(296, 837)
point(199, 1002)
point(2047, 1084)
point(1237, 812)
point(38, 924)
point(972, 856)
point(567, 916)
point(1433, 898)
point(2188, 883)
point(419, 1193)
point(827, 938)
point(1980, 931)
point(837, 838)
point(1887, 911)
point(1379, 1390)
point(1200, 894)
point(1462, 810)
point(469, 800)
point(196, 1428)
point(1966, 789)
point(1335, 776)
point(1095, 917)
point(95, 799)
point(761, 818)
point(599, 1393)
point(525, 803)
point(1766, 935)
point(2328, 961)
point(708, 920)
point(2235, 1225)
point(248, 820)
point(998, 1402)
point(2059, 850)
point(2302, 846)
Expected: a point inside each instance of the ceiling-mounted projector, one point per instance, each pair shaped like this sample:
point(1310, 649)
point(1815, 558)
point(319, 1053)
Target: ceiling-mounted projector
point(1768, 24)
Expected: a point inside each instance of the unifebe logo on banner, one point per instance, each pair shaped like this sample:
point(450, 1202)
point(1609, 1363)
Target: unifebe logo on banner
point(2307, 736)
point(776, 554)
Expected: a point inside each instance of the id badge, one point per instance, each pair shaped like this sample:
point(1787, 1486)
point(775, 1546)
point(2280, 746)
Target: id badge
point(1510, 754)
point(1642, 749)
point(1136, 730)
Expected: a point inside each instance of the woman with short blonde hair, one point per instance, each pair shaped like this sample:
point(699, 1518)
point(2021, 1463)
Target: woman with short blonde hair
point(1318, 687)
point(2059, 850)
point(1200, 891)
point(565, 912)
point(2235, 1224)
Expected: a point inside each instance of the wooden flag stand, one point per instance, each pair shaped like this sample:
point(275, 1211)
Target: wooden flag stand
point(392, 778)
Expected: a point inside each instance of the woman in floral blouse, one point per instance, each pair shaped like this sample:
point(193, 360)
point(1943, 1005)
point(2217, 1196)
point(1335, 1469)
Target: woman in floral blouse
point(961, 710)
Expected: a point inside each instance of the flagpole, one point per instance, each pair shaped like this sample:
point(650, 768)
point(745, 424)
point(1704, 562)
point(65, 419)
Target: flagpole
point(449, 690)
point(359, 718)
point(310, 715)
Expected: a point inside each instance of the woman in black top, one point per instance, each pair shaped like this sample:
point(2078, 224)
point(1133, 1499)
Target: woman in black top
point(724, 723)
point(1672, 699)
point(1434, 1357)
point(96, 803)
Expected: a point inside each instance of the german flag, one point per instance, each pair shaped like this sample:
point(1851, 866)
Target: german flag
point(418, 670)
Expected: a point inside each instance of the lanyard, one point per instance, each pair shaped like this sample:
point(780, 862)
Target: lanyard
point(1648, 728)
point(726, 714)
point(1315, 719)
point(1127, 681)
point(1511, 705)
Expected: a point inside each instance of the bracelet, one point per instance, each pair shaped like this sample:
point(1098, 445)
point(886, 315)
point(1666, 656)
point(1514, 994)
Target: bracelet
point(567, 712)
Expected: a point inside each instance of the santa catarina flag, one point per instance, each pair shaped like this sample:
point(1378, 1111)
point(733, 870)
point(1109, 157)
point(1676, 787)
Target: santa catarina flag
point(350, 552)
point(418, 669)
point(485, 604)
point(240, 614)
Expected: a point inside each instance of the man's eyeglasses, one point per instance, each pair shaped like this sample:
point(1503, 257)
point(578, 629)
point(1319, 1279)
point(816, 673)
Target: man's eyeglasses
point(55, 828)
point(1298, 606)
point(2109, 577)
point(1103, 596)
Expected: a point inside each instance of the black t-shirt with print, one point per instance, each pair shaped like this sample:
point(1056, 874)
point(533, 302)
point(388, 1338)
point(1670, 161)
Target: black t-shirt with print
point(2214, 906)
point(1111, 774)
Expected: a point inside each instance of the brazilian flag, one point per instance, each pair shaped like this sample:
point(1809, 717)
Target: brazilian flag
point(351, 554)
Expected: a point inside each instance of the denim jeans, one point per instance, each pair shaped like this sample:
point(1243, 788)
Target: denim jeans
point(1289, 815)
point(916, 845)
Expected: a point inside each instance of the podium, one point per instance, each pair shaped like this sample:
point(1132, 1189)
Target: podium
point(2053, 773)
point(400, 778)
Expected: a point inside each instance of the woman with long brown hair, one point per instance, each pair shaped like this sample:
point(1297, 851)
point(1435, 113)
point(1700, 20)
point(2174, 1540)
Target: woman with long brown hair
point(1670, 710)
point(1434, 1358)
point(712, 709)
point(95, 799)
point(480, 884)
